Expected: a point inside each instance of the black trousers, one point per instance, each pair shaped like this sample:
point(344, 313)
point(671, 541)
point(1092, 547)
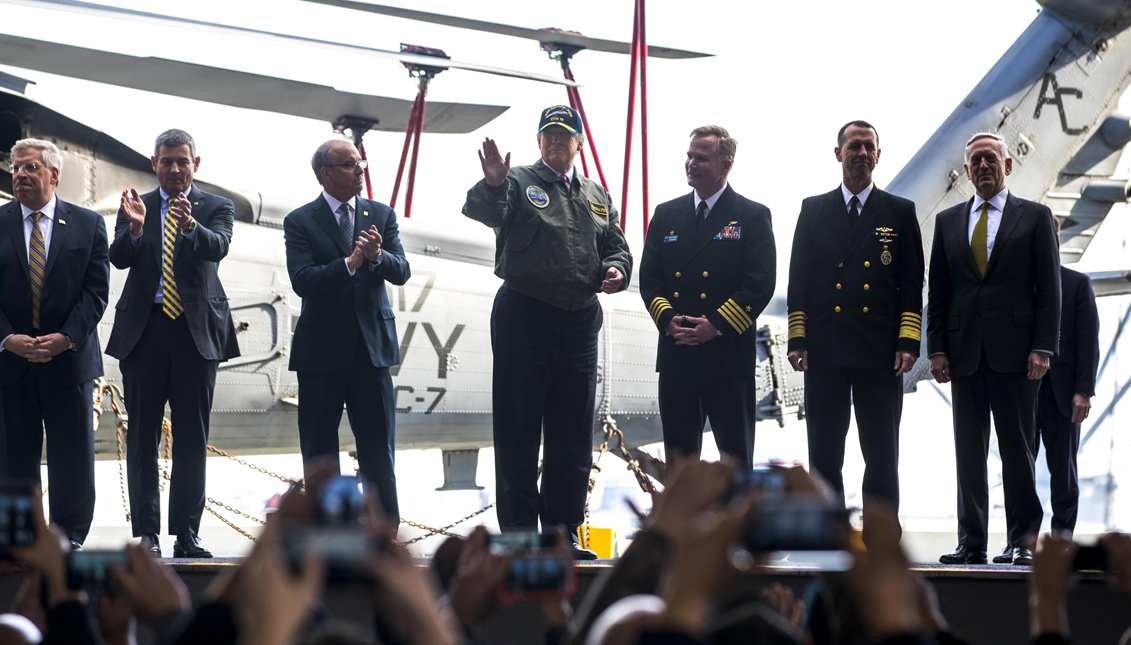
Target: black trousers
point(831, 393)
point(1012, 399)
point(543, 391)
point(688, 400)
point(1061, 439)
point(367, 394)
point(166, 366)
point(32, 407)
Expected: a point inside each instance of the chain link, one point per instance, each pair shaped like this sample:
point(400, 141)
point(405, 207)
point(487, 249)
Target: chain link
point(444, 529)
point(611, 430)
point(117, 405)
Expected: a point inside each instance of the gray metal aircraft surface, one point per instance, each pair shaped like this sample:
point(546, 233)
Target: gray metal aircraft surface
point(1052, 96)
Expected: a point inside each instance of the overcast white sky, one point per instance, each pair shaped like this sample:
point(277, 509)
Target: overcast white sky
point(785, 76)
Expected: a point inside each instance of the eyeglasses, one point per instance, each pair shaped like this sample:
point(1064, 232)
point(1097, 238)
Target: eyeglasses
point(29, 168)
point(349, 165)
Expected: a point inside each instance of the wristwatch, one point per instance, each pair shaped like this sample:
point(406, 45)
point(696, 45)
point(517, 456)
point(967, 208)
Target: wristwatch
point(190, 226)
point(70, 342)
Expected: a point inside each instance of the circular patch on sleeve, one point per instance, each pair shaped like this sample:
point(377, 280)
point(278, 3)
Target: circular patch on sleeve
point(537, 196)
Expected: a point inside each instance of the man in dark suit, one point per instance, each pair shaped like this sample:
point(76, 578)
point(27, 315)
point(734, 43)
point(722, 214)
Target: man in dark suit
point(1066, 392)
point(993, 315)
point(172, 328)
point(54, 281)
point(855, 303)
point(707, 272)
point(341, 249)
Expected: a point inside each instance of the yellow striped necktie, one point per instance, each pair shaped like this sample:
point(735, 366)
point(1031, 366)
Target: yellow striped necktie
point(37, 265)
point(979, 241)
point(170, 300)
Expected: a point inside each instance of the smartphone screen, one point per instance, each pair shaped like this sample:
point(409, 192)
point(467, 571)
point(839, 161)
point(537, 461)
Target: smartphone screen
point(1090, 558)
point(791, 524)
point(522, 541)
point(762, 480)
point(90, 569)
point(341, 501)
point(17, 528)
point(538, 578)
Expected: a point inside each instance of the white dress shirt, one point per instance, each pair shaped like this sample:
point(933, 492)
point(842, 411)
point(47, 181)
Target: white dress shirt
point(863, 196)
point(352, 205)
point(993, 218)
point(568, 173)
point(160, 297)
point(45, 226)
point(710, 200)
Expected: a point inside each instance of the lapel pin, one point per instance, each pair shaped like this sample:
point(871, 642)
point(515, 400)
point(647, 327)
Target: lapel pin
point(62, 222)
point(365, 213)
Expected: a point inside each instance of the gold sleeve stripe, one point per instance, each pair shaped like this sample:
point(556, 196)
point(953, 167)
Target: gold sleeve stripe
point(910, 325)
point(796, 325)
point(741, 315)
point(737, 324)
point(910, 332)
point(658, 306)
point(736, 321)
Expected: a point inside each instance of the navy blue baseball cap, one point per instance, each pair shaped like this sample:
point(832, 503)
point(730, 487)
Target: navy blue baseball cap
point(562, 115)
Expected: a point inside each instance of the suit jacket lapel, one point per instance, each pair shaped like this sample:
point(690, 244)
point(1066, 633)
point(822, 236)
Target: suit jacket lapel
point(717, 218)
point(196, 197)
point(960, 228)
point(14, 223)
point(1009, 218)
point(154, 223)
point(325, 218)
point(59, 227)
point(836, 217)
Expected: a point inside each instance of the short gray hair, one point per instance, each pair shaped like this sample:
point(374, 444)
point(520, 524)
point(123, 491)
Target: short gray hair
point(726, 148)
point(49, 151)
point(321, 157)
point(172, 139)
point(987, 135)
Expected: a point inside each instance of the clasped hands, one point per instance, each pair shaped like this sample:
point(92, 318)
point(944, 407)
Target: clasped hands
point(700, 331)
point(134, 209)
point(37, 349)
point(367, 247)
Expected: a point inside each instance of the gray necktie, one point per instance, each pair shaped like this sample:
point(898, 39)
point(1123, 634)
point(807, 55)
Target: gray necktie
point(345, 223)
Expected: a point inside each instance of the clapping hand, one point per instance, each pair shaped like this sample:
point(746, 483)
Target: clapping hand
point(134, 210)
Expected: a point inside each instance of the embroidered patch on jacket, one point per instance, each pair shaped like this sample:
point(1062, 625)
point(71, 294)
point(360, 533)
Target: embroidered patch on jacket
point(537, 196)
point(599, 208)
point(730, 232)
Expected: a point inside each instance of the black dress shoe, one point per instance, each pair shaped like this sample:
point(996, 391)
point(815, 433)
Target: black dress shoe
point(1022, 557)
point(153, 543)
point(76, 546)
point(1006, 556)
point(962, 555)
point(580, 553)
point(188, 546)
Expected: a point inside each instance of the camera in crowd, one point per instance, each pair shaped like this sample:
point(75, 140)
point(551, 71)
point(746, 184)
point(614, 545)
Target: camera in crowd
point(337, 535)
point(539, 569)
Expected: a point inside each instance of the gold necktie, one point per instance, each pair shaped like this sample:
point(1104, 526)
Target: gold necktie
point(170, 300)
point(979, 241)
point(37, 265)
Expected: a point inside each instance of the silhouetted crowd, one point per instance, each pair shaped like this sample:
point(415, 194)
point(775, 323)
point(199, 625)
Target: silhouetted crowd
point(685, 579)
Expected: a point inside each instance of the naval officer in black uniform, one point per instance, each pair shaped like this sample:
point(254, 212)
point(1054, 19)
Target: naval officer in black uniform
point(855, 314)
point(707, 272)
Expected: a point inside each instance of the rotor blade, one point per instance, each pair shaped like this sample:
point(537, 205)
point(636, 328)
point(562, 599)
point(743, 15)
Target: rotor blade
point(103, 11)
point(237, 89)
point(541, 35)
